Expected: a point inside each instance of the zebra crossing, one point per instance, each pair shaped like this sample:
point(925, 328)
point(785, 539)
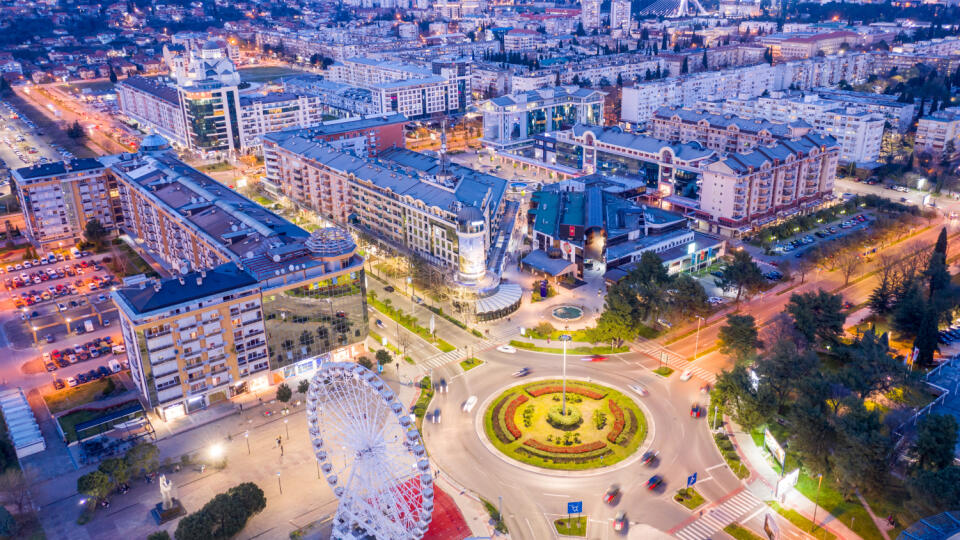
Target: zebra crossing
point(715, 519)
point(442, 359)
point(674, 360)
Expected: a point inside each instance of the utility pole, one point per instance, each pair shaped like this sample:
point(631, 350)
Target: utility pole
point(816, 503)
point(696, 347)
point(564, 338)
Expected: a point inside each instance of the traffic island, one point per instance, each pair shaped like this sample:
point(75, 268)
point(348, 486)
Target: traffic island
point(689, 498)
point(571, 527)
point(595, 426)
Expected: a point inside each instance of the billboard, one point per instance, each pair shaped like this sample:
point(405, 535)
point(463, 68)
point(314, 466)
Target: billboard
point(773, 446)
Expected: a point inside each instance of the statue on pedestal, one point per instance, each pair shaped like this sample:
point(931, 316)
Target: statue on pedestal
point(166, 495)
point(168, 508)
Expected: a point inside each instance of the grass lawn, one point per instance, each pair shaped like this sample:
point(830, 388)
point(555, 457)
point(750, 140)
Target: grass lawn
point(589, 432)
point(663, 371)
point(603, 349)
point(571, 527)
point(263, 201)
point(740, 533)
point(69, 398)
point(689, 498)
point(134, 262)
point(803, 523)
point(409, 322)
point(423, 402)
point(848, 512)
point(266, 73)
point(730, 455)
point(444, 346)
point(470, 363)
point(390, 347)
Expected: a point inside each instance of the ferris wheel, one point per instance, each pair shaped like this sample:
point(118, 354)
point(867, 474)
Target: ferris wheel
point(371, 454)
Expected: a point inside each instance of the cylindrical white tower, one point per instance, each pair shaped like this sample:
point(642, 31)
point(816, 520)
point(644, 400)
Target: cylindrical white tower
point(471, 231)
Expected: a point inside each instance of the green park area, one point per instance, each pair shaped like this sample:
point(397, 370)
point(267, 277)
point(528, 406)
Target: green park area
point(599, 426)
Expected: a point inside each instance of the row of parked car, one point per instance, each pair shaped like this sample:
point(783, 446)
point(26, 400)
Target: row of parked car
point(90, 376)
point(950, 335)
point(92, 349)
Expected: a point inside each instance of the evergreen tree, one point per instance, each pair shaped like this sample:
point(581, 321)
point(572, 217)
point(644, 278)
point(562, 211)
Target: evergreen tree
point(703, 61)
point(685, 67)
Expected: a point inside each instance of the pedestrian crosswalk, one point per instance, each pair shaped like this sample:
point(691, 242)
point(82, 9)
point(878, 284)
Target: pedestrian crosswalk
point(674, 360)
point(715, 519)
point(442, 359)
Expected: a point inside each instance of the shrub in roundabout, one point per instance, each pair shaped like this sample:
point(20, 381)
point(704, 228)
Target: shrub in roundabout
point(568, 422)
point(526, 423)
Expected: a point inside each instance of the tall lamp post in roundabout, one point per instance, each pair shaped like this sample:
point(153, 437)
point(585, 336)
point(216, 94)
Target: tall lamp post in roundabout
point(564, 338)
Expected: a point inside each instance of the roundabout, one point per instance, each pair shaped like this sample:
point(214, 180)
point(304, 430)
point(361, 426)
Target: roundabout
point(597, 426)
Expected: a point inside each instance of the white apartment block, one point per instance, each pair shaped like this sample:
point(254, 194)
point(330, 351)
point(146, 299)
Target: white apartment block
point(628, 67)
point(522, 40)
point(261, 114)
point(154, 105)
point(58, 199)
point(936, 130)
point(898, 114)
point(620, 15)
point(590, 14)
point(940, 46)
point(859, 133)
point(640, 102)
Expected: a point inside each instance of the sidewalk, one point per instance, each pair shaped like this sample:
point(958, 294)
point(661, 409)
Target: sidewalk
point(763, 481)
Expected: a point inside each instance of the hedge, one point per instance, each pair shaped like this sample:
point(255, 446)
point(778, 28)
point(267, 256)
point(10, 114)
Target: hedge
point(541, 390)
point(581, 449)
point(497, 424)
point(511, 412)
point(618, 421)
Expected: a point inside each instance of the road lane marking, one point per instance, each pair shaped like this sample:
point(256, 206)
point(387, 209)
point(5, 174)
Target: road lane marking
point(717, 466)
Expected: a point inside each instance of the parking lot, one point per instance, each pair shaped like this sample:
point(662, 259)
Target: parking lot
point(825, 233)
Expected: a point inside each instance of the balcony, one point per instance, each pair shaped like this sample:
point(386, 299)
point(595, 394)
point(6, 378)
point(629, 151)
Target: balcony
point(170, 394)
point(198, 390)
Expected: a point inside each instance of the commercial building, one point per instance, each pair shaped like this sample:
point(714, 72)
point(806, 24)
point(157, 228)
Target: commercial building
point(939, 133)
point(58, 199)
point(586, 225)
point(809, 46)
point(257, 300)
point(859, 133)
point(512, 120)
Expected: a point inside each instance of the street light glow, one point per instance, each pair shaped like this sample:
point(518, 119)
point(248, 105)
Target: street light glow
point(216, 451)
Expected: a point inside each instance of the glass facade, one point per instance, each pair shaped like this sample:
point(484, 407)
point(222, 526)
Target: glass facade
point(687, 184)
point(205, 116)
point(314, 318)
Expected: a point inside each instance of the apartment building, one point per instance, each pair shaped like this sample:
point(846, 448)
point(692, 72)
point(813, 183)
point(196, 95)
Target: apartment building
point(408, 199)
point(522, 40)
point(261, 114)
point(291, 169)
point(333, 98)
point(412, 90)
point(720, 57)
point(513, 120)
point(723, 133)
point(945, 46)
point(620, 18)
point(859, 132)
point(154, 105)
point(938, 132)
point(58, 199)
point(809, 46)
point(590, 14)
point(256, 300)
point(627, 66)
point(898, 114)
point(747, 190)
point(640, 102)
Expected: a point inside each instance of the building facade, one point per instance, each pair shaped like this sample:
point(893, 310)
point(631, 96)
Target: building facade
point(58, 199)
point(723, 133)
point(513, 120)
point(939, 134)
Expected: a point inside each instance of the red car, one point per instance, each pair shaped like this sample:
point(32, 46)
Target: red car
point(696, 411)
point(594, 358)
point(620, 522)
point(654, 482)
point(611, 494)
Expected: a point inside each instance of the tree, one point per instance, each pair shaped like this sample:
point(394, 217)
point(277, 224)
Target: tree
point(804, 267)
point(249, 496)
point(936, 491)
point(617, 322)
point(936, 441)
point(860, 456)
point(384, 357)
point(95, 484)
point(740, 273)
point(15, 487)
point(304, 386)
point(848, 262)
point(909, 309)
point(734, 394)
point(196, 526)
point(226, 517)
point(8, 525)
point(142, 458)
point(926, 342)
point(936, 273)
point(685, 66)
point(284, 393)
point(868, 365)
point(117, 469)
point(882, 297)
point(94, 232)
point(818, 316)
point(649, 269)
point(703, 61)
point(75, 131)
point(113, 76)
point(365, 362)
point(689, 297)
point(783, 366)
point(739, 337)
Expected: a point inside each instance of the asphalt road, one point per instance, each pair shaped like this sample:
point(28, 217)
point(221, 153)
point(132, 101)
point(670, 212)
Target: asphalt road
point(532, 500)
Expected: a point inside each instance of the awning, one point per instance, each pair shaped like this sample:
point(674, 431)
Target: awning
point(507, 295)
point(539, 260)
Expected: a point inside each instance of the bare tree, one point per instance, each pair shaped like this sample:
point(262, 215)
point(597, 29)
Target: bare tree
point(848, 263)
point(15, 487)
point(804, 267)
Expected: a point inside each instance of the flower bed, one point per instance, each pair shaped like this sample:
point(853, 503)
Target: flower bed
point(497, 424)
point(631, 428)
point(618, 421)
point(509, 415)
point(565, 422)
point(564, 459)
point(579, 449)
point(556, 389)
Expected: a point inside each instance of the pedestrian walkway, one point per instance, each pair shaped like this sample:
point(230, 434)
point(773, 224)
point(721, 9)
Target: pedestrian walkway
point(442, 359)
point(715, 519)
point(672, 359)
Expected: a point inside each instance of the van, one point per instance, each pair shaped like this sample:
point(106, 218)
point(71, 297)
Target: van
point(114, 366)
point(88, 325)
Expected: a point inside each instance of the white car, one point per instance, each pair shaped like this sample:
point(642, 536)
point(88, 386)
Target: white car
point(686, 375)
point(715, 300)
point(71, 381)
point(507, 349)
point(469, 404)
point(639, 389)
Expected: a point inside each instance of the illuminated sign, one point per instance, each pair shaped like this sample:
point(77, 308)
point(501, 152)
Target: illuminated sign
point(771, 443)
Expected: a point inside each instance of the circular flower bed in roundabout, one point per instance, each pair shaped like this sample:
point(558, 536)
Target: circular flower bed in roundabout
point(601, 426)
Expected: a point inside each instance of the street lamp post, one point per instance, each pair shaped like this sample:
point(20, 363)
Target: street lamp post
point(246, 436)
point(696, 347)
point(816, 503)
point(564, 338)
point(278, 483)
point(286, 424)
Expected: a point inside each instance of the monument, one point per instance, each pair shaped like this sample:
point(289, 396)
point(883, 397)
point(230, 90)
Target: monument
point(169, 507)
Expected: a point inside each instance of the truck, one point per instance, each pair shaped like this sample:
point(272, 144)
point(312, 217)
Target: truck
point(88, 325)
